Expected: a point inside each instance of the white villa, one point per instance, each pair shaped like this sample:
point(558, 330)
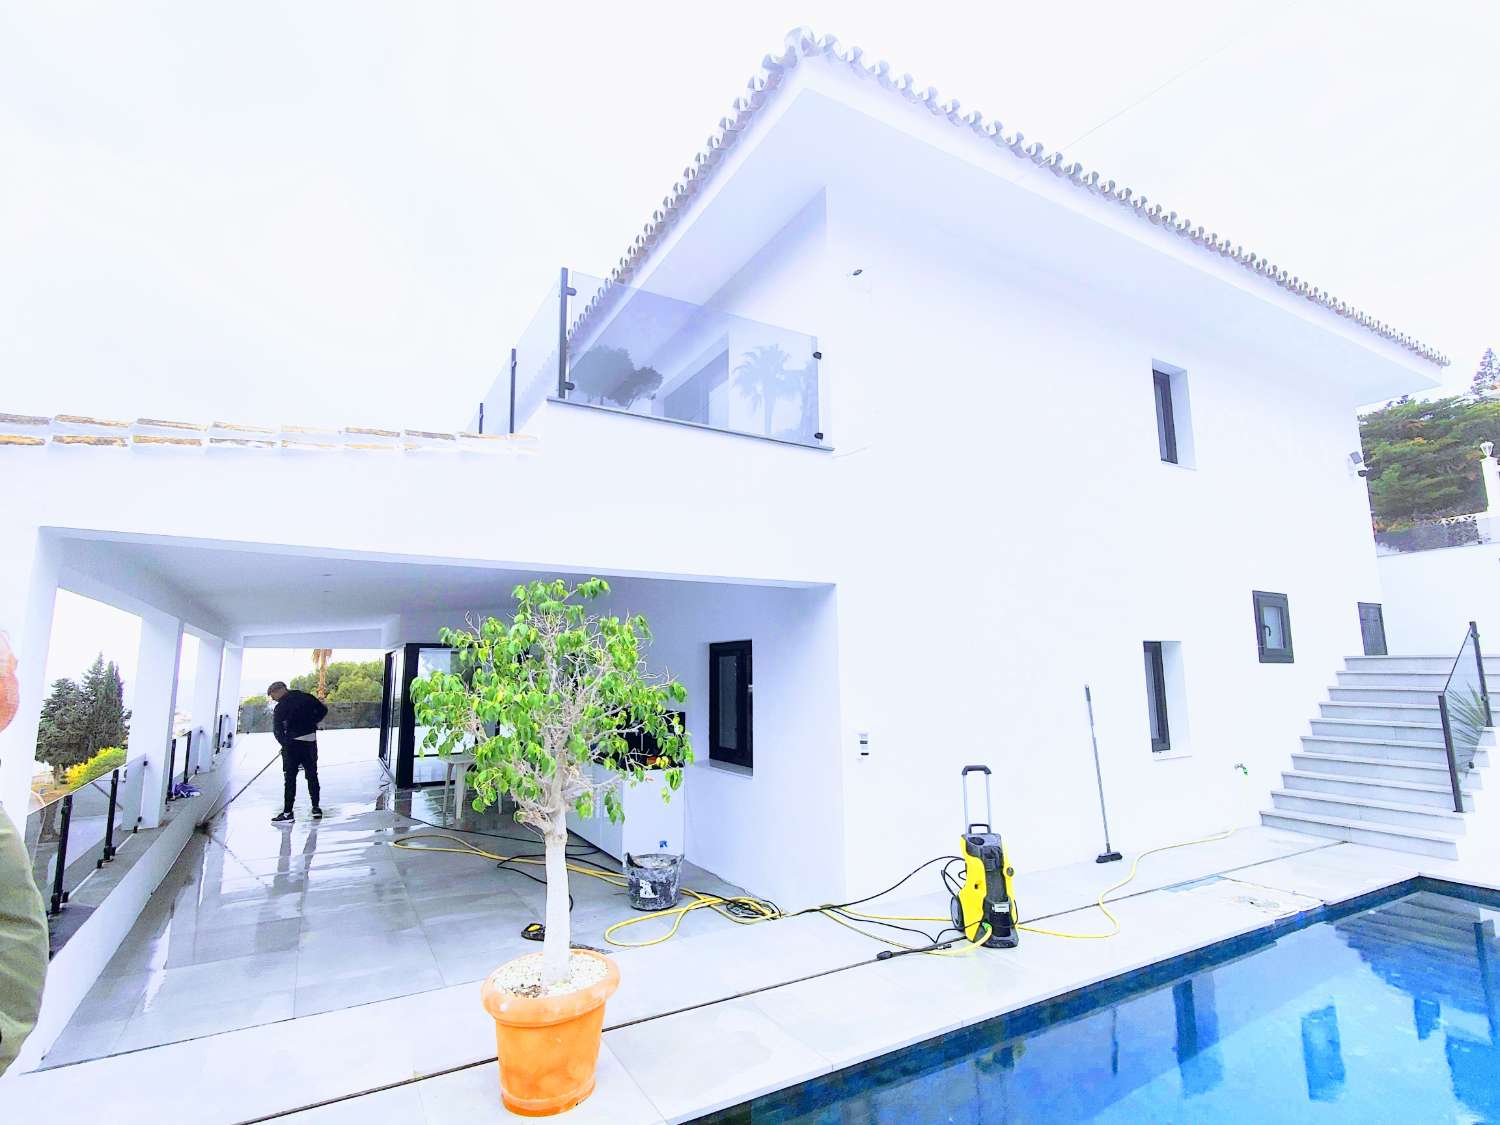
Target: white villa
point(901, 429)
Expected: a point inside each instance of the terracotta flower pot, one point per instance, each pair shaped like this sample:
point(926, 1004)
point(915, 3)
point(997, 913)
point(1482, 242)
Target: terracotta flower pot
point(548, 1046)
point(10, 689)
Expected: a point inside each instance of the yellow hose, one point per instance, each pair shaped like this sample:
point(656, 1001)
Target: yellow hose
point(1099, 902)
point(763, 911)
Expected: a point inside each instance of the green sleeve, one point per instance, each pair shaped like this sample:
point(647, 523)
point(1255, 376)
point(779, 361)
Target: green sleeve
point(23, 944)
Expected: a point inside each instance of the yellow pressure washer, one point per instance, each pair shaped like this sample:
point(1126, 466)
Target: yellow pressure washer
point(985, 899)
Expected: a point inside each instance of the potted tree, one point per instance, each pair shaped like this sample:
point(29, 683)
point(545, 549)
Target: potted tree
point(547, 701)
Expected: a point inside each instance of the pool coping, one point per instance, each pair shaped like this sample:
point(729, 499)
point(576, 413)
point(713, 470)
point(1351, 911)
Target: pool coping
point(1084, 999)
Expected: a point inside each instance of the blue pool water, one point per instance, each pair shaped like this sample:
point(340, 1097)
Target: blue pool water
point(1387, 1013)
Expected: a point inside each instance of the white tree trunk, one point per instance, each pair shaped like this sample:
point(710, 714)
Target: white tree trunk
point(558, 942)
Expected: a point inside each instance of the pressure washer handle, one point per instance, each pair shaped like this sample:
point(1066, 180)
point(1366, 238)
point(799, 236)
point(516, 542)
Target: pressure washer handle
point(988, 812)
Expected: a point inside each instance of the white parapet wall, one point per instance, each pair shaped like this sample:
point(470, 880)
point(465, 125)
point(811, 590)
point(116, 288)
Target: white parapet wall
point(1429, 598)
point(78, 964)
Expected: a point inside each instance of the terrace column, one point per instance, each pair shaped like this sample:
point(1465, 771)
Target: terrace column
point(152, 705)
point(229, 686)
point(206, 700)
point(29, 562)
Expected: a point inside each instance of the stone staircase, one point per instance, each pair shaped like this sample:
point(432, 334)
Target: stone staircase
point(1374, 770)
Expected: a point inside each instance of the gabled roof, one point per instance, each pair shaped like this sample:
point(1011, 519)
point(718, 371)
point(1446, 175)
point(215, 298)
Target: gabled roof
point(802, 43)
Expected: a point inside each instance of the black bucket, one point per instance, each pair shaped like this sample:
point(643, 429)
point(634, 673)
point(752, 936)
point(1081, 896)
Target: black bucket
point(653, 880)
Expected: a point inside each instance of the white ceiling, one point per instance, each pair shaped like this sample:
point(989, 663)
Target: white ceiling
point(264, 590)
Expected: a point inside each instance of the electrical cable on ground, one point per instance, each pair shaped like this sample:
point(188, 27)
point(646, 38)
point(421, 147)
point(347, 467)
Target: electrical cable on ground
point(740, 909)
point(749, 910)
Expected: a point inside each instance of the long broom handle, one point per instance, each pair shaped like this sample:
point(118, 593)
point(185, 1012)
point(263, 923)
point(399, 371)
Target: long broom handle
point(1088, 698)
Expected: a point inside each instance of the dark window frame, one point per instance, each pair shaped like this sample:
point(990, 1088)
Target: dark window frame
point(1156, 685)
point(1364, 636)
point(1262, 599)
point(742, 756)
point(1166, 421)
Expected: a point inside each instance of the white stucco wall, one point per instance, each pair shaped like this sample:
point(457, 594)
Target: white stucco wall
point(993, 516)
point(1429, 598)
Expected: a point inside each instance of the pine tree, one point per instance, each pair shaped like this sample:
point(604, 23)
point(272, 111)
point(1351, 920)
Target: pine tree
point(79, 720)
point(1486, 376)
point(107, 720)
point(61, 736)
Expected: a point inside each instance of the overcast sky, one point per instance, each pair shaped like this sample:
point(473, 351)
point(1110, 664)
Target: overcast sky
point(345, 213)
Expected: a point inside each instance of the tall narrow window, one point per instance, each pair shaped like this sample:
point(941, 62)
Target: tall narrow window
point(1372, 628)
point(1273, 628)
point(730, 698)
point(1156, 698)
point(1166, 425)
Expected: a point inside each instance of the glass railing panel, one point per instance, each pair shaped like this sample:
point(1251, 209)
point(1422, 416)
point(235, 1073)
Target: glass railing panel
point(1465, 703)
point(71, 827)
point(128, 808)
point(633, 350)
point(536, 367)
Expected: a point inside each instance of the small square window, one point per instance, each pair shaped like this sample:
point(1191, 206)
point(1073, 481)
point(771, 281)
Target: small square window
point(1273, 628)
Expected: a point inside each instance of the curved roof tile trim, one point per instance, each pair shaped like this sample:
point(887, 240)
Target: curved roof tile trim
point(802, 43)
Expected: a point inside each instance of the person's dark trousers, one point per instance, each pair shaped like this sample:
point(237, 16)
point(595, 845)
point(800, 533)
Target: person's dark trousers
point(297, 754)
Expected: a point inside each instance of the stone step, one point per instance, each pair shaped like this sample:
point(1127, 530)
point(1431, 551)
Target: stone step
point(1426, 681)
point(1369, 693)
point(1405, 730)
point(1429, 663)
point(1422, 752)
point(1362, 765)
point(1376, 789)
point(1399, 712)
point(1413, 840)
point(1445, 822)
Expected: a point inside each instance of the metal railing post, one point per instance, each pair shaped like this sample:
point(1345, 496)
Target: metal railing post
point(109, 824)
point(171, 767)
point(512, 390)
point(1458, 797)
point(187, 758)
point(1484, 689)
point(60, 896)
point(564, 291)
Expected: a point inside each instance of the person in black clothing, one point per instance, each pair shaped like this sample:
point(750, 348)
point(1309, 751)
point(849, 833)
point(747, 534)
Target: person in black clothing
point(295, 724)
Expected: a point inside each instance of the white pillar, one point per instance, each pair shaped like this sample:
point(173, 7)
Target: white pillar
point(206, 700)
point(1489, 470)
point(152, 705)
point(229, 686)
point(28, 592)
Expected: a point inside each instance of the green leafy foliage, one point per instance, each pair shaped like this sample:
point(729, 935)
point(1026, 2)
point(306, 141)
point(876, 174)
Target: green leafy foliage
point(1423, 457)
point(101, 763)
point(549, 694)
point(349, 681)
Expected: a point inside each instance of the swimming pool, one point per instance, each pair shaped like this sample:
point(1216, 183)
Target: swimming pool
point(1388, 1010)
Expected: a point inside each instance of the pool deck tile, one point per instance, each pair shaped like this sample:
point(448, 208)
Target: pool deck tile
point(710, 1058)
point(766, 1006)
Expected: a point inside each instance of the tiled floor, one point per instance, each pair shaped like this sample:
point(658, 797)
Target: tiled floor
point(257, 923)
point(783, 1002)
